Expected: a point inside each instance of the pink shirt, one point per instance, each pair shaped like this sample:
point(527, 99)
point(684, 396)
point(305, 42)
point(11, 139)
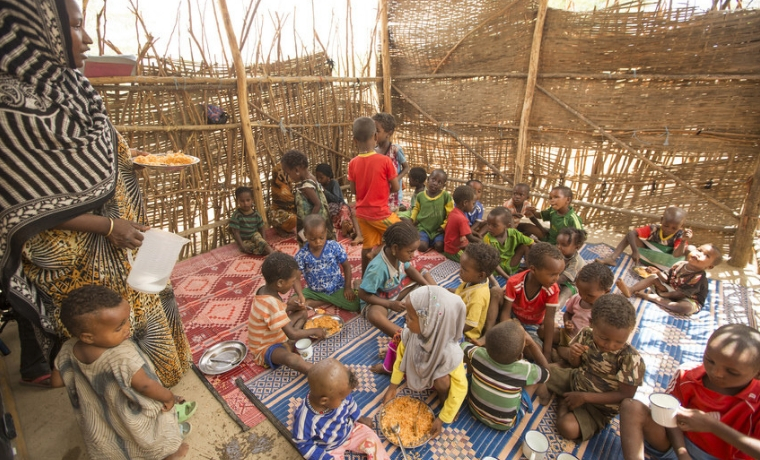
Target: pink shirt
point(581, 317)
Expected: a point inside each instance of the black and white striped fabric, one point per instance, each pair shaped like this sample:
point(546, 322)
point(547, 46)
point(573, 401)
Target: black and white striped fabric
point(58, 154)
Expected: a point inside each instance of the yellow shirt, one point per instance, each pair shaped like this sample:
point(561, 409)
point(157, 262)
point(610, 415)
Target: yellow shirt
point(457, 392)
point(476, 297)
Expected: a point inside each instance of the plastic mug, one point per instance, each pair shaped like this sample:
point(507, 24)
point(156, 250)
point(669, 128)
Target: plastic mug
point(566, 456)
point(535, 445)
point(664, 408)
point(489, 458)
point(304, 348)
point(155, 260)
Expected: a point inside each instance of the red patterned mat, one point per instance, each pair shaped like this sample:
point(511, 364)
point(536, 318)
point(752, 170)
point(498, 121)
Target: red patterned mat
point(214, 293)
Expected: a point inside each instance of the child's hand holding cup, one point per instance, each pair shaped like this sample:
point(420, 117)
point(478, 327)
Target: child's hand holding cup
point(664, 408)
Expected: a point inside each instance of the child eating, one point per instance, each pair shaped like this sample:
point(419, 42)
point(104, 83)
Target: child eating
point(430, 211)
point(478, 261)
point(122, 409)
point(320, 260)
point(429, 355)
point(684, 289)
point(512, 245)
point(310, 199)
point(328, 422)
point(247, 226)
point(272, 323)
point(569, 241)
point(604, 370)
point(501, 378)
point(380, 291)
point(668, 237)
point(559, 215)
point(458, 234)
point(719, 399)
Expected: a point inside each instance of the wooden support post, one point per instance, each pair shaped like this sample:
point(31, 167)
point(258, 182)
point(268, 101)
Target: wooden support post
point(245, 118)
point(386, 50)
point(523, 149)
point(742, 248)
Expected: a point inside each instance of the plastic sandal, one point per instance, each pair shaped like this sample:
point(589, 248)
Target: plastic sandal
point(43, 381)
point(184, 429)
point(185, 410)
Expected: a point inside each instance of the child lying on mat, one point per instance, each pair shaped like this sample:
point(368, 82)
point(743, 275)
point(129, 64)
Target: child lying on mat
point(605, 370)
point(501, 378)
point(328, 422)
point(429, 355)
point(272, 323)
point(719, 416)
point(320, 261)
point(684, 289)
point(668, 237)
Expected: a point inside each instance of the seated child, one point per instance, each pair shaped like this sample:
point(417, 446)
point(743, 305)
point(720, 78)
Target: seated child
point(559, 215)
point(429, 355)
point(518, 204)
point(386, 126)
point(458, 234)
point(380, 291)
point(475, 217)
point(272, 323)
point(477, 263)
point(319, 261)
point(569, 241)
point(668, 237)
point(533, 296)
point(309, 196)
point(501, 378)
point(328, 422)
point(719, 416)
point(247, 226)
point(593, 281)
point(604, 370)
point(122, 409)
point(511, 244)
point(417, 178)
point(430, 210)
point(341, 214)
point(684, 289)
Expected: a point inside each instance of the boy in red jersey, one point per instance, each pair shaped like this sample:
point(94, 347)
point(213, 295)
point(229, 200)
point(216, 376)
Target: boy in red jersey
point(720, 399)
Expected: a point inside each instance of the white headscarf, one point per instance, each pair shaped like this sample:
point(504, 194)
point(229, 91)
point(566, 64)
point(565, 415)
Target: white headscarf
point(436, 351)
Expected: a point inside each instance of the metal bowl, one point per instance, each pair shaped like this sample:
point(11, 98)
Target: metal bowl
point(335, 317)
point(222, 357)
point(391, 436)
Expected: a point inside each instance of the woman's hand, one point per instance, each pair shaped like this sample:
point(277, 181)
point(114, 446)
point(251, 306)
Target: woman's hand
point(127, 234)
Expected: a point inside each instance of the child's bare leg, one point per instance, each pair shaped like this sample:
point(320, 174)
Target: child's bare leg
point(681, 307)
point(636, 425)
point(365, 259)
point(612, 260)
point(494, 308)
point(438, 246)
point(378, 317)
point(314, 303)
point(424, 246)
point(285, 357)
point(298, 318)
point(532, 229)
point(520, 253)
point(181, 452)
point(630, 291)
point(442, 385)
point(567, 424)
point(544, 397)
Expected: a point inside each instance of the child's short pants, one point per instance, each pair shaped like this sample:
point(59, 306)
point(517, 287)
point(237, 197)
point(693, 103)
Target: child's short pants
point(431, 241)
point(590, 418)
point(372, 230)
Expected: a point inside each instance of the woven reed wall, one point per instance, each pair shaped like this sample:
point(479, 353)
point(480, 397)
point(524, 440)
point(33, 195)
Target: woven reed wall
point(313, 117)
point(681, 88)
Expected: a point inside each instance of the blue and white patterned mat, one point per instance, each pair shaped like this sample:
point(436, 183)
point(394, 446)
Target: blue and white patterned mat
point(664, 340)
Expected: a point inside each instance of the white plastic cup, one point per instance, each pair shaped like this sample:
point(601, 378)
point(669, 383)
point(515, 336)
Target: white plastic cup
point(305, 348)
point(664, 408)
point(535, 445)
point(155, 260)
point(489, 458)
point(566, 456)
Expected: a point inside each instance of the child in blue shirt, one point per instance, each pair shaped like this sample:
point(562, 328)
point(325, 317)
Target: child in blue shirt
point(476, 215)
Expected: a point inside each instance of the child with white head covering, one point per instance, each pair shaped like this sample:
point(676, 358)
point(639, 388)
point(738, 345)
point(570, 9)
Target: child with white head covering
point(429, 355)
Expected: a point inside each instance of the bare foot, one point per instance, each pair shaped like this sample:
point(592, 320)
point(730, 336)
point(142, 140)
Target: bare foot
point(357, 241)
point(606, 261)
point(623, 287)
point(379, 369)
point(544, 397)
point(181, 452)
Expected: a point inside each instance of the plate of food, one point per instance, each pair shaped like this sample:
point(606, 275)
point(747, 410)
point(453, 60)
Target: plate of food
point(331, 323)
point(170, 161)
point(414, 418)
point(641, 271)
point(222, 357)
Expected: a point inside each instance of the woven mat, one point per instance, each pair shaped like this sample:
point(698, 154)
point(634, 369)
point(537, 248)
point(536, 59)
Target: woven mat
point(663, 339)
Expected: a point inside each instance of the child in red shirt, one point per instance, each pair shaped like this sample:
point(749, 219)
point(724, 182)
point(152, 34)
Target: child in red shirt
point(458, 233)
point(720, 405)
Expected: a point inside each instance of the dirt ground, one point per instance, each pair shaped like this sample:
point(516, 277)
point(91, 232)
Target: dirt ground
point(48, 429)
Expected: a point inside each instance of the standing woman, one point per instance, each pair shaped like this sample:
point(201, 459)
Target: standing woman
point(70, 204)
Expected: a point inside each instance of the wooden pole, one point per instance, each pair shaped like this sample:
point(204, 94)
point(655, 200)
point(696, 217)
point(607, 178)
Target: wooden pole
point(523, 149)
point(742, 248)
point(245, 119)
point(386, 50)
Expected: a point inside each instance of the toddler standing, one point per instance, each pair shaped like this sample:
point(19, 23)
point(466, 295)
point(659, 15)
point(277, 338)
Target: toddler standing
point(385, 125)
point(247, 226)
point(328, 422)
point(430, 211)
point(122, 409)
point(310, 199)
point(559, 215)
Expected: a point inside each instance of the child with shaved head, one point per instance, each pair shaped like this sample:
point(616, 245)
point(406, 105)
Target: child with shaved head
point(720, 405)
point(325, 425)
